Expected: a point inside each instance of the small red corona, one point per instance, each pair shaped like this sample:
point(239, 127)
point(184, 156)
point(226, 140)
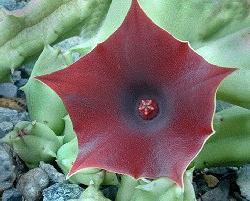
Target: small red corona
point(148, 109)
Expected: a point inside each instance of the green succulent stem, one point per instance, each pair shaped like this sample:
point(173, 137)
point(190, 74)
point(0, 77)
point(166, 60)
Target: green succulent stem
point(26, 32)
point(230, 143)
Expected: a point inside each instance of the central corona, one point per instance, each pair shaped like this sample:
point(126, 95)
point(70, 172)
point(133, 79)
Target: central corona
point(148, 109)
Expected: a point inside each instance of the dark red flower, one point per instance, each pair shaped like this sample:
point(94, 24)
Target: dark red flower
point(141, 102)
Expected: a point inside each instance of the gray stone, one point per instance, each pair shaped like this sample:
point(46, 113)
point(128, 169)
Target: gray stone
point(7, 168)
point(8, 115)
point(62, 192)
point(68, 43)
point(13, 4)
point(217, 170)
point(32, 183)
point(12, 116)
point(76, 56)
point(27, 68)
point(110, 192)
point(220, 193)
point(21, 82)
point(12, 195)
point(221, 105)
point(5, 127)
point(243, 181)
point(54, 175)
point(16, 76)
point(8, 90)
point(22, 116)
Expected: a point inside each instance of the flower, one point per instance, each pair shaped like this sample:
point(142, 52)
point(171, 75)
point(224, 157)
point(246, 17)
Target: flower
point(141, 102)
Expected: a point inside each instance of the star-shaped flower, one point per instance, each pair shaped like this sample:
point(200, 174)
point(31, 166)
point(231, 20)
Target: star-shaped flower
point(141, 102)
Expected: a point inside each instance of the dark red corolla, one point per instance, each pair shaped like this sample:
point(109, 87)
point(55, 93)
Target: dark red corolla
point(141, 102)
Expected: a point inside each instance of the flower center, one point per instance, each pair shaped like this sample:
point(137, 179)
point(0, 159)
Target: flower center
point(148, 109)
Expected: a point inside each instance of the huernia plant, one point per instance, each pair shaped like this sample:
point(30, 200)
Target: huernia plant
point(142, 97)
point(141, 101)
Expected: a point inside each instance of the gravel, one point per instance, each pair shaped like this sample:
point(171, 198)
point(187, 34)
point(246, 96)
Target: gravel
point(110, 192)
point(9, 118)
point(13, 4)
point(8, 90)
point(54, 175)
point(62, 192)
point(7, 168)
point(220, 193)
point(12, 195)
point(5, 127)
point(243, 181)
point(32, 183)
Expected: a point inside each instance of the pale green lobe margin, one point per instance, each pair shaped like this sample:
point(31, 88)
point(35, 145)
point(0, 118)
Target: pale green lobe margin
point(218, 31)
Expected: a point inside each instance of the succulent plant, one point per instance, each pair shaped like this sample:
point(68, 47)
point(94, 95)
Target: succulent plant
point(91, 194)
point(141, 102)
point(25, 32)
point(67, 154)
point(218, 31)
point(230, 143)
point(160, 189)
point(33, 142)
point(138, 94)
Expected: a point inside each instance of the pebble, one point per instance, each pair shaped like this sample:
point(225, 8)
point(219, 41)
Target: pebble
point(54, 175)
point(8, 90)
point(7, 168)
point(13, 116)
point(16, 76)
point(13, 4)
point(220, 193)
point(217, 170)
point(32, 183)
point(26, 69)
point(110, 192)
point(21, 82)
point(243, 181)
point(62, 192)
point(221, 105)
point(9, 118)
point(5, 127)
point(68, 43)
point(12, 195)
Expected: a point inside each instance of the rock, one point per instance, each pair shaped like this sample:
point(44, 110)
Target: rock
point(220, 193)
point(217, 170)
point(76, 56)
point(26, 69)
point(68, 43)
point(16, 76)
point(8, 90)
point(110, 192)
point(54, 175)
point(221, 105)
point(32, 183)
point(13, 4)
point(9, 115)
point(7, 168)
point(62, 192)
point(12, 195)
point(21, 82)
point(211, 180)
point(243, 181)
point(5, 127)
